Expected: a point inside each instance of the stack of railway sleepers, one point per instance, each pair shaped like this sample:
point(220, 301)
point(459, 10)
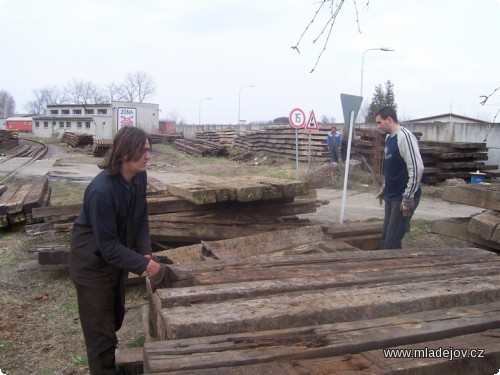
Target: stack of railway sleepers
point(447, 160)
point(482, 229)
point(442, 160)
point(77, 139)
point(18, 201)
point(164, 138)
point(281, 141)
point(247, 310)
point(208, 209)
point(8, 140)
point(222, 136)
point(101, 147)
point(200, 147)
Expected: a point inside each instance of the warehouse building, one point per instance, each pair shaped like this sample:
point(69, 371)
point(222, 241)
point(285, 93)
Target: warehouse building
point(100, 120)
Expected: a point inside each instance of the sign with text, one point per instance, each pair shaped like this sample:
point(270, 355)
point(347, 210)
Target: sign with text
point(297, 118)
point(126, 116)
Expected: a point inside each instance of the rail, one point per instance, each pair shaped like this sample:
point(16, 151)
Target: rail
point(30, 149)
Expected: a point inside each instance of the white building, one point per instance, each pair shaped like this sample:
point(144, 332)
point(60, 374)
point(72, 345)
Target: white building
point(100, 120)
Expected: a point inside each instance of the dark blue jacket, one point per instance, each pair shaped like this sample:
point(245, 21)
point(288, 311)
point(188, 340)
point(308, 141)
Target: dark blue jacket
point(111, 234)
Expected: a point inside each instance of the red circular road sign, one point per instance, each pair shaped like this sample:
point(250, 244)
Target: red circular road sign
point(297, 118)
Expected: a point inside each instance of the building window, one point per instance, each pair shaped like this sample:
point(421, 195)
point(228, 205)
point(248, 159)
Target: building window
point(45, 124)
point(77, 111)
point(89, 111)
point(37, 124)
point(54, 111)
point(68, 124)
point(102, 111)
point(87, 124)
point(79, 125)
point(61, 124)
point(64, 111)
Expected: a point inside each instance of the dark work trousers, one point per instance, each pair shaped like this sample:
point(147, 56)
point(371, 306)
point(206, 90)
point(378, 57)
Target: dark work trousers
point(101, 310)
point(395, 224)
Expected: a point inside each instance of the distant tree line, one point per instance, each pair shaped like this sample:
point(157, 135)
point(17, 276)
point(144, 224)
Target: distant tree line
point(136, 87)
point(7, 104)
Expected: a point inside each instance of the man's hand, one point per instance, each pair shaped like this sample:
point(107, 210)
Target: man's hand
point(406, 206)
point(160, 279)
point(380, 196)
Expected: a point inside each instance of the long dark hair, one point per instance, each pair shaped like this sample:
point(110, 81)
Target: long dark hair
point(128, 143)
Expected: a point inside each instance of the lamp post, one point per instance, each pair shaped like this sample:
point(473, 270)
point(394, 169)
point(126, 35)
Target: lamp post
point(384, 49)
point(199, 110)
point(239, 101)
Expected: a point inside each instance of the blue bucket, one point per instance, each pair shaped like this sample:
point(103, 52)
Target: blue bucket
point(476, 177)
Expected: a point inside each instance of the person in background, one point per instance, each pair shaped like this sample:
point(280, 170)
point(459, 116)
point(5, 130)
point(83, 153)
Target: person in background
point(334, 144)
point(403, 170)
point(110, 238)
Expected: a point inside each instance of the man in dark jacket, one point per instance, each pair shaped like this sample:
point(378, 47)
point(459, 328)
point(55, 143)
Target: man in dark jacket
point(403, 170)
point(111, 238)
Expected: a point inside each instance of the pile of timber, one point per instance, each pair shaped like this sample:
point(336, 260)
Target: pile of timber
point(280, 140)
point(165, 138)
point(448, 160)
point(77, 139)
point(206, 210)
point(223, 136)
point(18, 201)
point(8, 140)
point(482, 229)
point(299, 302)
point(200, 147)
point(101, 147)
point(442, 160)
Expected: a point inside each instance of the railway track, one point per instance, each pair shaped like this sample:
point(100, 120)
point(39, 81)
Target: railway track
point(30, 150)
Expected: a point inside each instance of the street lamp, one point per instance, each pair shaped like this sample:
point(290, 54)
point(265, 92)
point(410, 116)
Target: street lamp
point(199, 110)
point(385, 49)
point(239, 101)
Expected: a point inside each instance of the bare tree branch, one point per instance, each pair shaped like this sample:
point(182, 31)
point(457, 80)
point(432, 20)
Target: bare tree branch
point(332, 21)
point(296, 46)
point(487, 97)
point(335, 8)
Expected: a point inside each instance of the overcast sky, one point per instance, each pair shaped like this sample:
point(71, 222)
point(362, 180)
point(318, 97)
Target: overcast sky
point(446, 54)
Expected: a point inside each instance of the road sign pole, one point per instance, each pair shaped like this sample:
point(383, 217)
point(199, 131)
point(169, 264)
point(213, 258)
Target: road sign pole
point(297, 152)
point(309, 151)
point(297, 119)
point(347, 162)
point(350, 107)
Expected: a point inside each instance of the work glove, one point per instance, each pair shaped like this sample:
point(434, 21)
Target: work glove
point(161, 279)
point(406, 206)
point(380, 196)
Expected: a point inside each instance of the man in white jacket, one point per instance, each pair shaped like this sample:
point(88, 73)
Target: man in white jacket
point(403, 170)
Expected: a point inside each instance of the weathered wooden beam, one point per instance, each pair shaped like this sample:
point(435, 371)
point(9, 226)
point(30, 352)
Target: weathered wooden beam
point(485, 196)
point(353, 229)
point(264, 243)
point(36, 194)
point(317, 278)
point(458, 228)
point(318, 270)
point(484, 224)
point(326, 306)
point(239, 352)
point(15, 203)
point(242, 189)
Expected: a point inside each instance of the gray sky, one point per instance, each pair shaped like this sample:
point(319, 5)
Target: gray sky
point(446, 54)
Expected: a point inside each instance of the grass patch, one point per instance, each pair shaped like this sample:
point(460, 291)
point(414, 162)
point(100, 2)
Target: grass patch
point(134, 294)
point(137, 342)
point(79, 361)
point(66, 193)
